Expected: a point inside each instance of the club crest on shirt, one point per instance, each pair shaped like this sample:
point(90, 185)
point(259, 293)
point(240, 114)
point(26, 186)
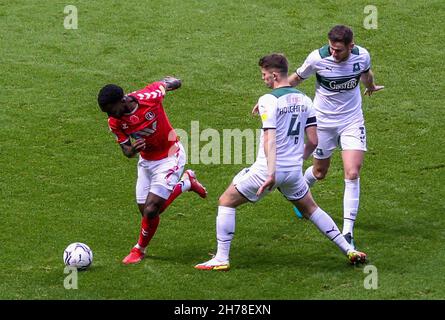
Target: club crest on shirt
point(356, 67)
point(149, 115)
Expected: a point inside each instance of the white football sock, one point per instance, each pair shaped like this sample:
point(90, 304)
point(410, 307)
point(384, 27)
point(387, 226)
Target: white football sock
point(351, 201)
point(328, 227)
point(309, 176)
point(140, 248)
point(225, 229)
point(185, 185)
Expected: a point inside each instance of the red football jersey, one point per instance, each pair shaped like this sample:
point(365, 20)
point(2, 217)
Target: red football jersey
point(147, 121)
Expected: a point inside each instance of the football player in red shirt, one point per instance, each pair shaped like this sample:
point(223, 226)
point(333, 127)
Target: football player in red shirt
point(140, 124)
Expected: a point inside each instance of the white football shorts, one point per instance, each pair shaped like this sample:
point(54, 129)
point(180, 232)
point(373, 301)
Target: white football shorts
point(159, 176)
point(290, 183)
point(349, 137)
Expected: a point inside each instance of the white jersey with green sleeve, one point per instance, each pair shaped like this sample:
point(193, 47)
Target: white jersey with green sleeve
point(289, 111)
point(337, 91)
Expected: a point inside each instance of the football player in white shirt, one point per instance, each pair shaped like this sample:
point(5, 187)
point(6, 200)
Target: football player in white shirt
point(286, 114)
point(339, 67)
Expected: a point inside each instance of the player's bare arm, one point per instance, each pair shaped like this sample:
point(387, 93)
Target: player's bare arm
point(255, 110)
point(171, 83)
point(270, 151)
point(131, 149)
point(367, 79)
point(294, 79)
point(311, 141)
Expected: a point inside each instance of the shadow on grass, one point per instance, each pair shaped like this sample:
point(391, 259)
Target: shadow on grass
point(261, 260)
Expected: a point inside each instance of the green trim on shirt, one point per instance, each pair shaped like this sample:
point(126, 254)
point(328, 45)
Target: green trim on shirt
point(324, 51)
point(284, 90)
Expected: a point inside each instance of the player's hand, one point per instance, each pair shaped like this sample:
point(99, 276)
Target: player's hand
point(139, 145)
point(255, 110)
point(268, 184)
point(369, 91)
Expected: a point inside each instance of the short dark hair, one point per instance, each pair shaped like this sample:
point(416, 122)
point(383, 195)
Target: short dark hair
point(275, 61)
point(109, 94)
point(341, 33)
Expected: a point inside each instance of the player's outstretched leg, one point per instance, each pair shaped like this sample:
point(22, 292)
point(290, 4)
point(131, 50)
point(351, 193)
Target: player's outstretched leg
point(188, 182)
point(328, 227)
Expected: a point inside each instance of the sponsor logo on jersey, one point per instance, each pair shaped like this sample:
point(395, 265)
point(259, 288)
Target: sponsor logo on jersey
point(350, 84)
point(356, 67)
point(339, 83)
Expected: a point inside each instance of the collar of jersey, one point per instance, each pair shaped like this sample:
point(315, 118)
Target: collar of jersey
point(135, 109)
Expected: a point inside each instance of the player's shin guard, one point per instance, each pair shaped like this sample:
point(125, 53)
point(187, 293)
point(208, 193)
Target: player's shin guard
point(148, 229)
point(328, 227)
point(225, 229)
point(309, 176)
point(351, 201)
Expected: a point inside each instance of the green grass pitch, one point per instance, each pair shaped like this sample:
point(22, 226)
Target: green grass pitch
point(64, 179)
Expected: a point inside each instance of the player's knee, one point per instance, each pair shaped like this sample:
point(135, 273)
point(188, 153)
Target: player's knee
point(320, 173)
point(226, 200)
point(141, 209)
point(151, 210)
point(223, 200)
point(352, 174)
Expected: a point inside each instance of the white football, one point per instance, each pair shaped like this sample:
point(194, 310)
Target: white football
point(78, 255)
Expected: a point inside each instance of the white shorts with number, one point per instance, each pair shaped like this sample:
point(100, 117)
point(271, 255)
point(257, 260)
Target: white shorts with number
point(290, 183)
point(348, 137)
point(159, 176)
